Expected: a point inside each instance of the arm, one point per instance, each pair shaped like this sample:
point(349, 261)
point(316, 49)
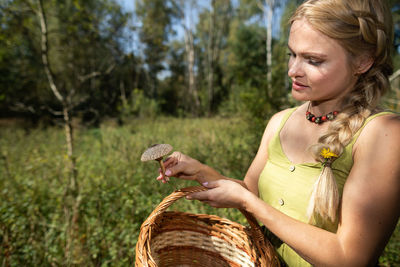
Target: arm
point(369, 211)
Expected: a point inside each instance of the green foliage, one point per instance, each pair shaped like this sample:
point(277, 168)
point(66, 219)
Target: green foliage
point(156, 16)
point(140, 106)
point(246, 70)
point(391, 255)
point(100, 54)
point(119, 191)
point(84, 42)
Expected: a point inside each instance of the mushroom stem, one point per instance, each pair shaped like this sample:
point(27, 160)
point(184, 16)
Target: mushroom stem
point(162, 166)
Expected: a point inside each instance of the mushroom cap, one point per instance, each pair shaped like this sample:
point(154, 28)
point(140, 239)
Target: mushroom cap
point(156, 151)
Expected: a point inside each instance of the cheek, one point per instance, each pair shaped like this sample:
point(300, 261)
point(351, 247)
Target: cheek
point(325, 76)
point(330, 81)
point(318, 76)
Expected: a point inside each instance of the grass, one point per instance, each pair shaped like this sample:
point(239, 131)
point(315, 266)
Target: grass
point(119, 191)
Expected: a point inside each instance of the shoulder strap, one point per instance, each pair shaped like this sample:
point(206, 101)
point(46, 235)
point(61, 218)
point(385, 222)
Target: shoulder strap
point(285, 118)
point(370, 118)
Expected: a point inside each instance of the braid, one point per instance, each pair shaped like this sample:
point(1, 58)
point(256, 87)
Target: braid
point(361, 27)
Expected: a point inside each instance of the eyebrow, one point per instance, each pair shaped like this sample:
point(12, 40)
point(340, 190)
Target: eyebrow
point(309, 54)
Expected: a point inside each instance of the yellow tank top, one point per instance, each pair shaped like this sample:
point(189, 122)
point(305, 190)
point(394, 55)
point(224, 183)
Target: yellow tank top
point(287, 186)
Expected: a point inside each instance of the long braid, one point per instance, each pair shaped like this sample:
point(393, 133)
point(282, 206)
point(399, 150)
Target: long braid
point(362, 28)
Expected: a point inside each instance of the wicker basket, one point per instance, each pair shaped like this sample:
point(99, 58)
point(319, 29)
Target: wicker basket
point(169, 238)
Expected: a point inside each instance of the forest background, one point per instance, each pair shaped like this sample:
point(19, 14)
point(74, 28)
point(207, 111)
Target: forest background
point(87, 85)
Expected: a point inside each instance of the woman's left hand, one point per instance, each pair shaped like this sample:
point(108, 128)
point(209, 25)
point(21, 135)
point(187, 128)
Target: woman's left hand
point(222, 194)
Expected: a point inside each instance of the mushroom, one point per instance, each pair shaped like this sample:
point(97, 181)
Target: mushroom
point(157, 152)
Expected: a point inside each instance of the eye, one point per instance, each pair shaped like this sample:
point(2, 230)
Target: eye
point(290, 54)
point(314, 62)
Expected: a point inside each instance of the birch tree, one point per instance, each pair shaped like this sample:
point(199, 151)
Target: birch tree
point(155, 17)
point(67, 94)
point(215, 34)
point(268, 7)
point(184, 10)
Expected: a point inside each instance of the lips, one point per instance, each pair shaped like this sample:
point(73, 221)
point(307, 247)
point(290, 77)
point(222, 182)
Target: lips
point(298, 86)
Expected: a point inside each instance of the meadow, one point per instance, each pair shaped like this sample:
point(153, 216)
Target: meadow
point(118, 190)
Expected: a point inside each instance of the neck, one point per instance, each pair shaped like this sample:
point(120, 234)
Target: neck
point(319, 108)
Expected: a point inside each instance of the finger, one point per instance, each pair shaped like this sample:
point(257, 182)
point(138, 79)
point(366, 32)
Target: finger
point(161, 176)
point(211, 184)
point(170, 161)
point(202, 196)
point(176, 169)
point(213, 204)
point(163, 179)
point(175, 156)
point(186, 177)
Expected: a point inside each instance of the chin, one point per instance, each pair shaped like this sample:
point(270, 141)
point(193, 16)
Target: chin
point(300, 96)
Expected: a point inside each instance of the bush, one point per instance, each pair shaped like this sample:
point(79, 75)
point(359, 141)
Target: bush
point(118, 190)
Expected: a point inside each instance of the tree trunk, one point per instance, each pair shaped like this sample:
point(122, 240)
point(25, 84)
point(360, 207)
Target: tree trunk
point(211, 43)
point(72, 197)
point(270, 4)
point(189, 47)
point(268, 10)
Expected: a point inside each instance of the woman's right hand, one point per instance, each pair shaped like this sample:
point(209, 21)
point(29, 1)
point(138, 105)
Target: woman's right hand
point(184, 167)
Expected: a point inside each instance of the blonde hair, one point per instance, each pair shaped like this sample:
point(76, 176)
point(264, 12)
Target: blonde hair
point(361, 27)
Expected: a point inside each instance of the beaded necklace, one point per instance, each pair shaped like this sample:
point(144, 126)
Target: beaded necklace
point(318, 120)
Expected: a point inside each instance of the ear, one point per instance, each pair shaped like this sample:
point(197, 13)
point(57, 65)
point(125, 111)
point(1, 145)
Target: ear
point(364, 63)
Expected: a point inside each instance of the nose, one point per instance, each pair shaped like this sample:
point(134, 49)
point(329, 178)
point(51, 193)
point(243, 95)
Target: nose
point(295, 68)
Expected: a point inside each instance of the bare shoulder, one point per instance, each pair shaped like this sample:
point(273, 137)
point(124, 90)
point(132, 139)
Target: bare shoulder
point(270, 130)
point(377, 154)
point(381, 131)
point(275, 121)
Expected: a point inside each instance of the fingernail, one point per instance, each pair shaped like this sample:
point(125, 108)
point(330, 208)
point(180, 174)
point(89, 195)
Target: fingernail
point(205, 183)
point(168, 173)
point(188, 197)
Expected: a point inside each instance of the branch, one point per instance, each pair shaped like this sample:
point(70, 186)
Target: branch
point(394, 75)
point(52, 111)
point(19, 106)
point(261, 6)
point(45, 52)
point(29, 4)
point(86, 77)
point(74, 104)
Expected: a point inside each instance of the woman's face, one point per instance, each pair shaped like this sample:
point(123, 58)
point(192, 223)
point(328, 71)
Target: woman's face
point(318, 65)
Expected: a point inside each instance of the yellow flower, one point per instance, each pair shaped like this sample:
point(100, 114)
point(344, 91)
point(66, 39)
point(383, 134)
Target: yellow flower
point(327, 154)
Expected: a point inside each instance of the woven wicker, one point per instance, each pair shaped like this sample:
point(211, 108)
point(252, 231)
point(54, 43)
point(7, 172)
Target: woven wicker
point(170, 238)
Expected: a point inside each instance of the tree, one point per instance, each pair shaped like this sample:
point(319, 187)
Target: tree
point(155, 16)
point(268, 10)
point(71, 72)
point(212, 31)
point(184, 13)
point(20, 68)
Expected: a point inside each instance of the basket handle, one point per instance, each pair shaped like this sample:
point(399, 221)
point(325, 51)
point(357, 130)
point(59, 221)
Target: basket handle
point(255, 229)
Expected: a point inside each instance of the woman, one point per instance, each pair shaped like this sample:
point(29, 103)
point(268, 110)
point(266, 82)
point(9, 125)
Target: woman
point(326, 177)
